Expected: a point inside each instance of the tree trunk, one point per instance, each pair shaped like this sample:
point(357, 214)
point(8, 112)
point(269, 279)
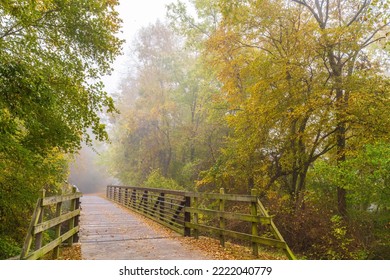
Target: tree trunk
point(341, 143)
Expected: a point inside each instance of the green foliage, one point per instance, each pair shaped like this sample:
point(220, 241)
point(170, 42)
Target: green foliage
point(21, 178)
point(8, 247)
point(47, 65)
point(337, 247)
point(157, 180)
point(365, 175)
point(52, 57)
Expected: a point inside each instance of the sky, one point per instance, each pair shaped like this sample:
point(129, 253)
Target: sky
point(135, 14)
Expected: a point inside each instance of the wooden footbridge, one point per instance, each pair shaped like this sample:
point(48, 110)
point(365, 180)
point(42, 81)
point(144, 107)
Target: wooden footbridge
point(108, 228)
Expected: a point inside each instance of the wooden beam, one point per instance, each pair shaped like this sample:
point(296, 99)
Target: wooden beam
point(231, 215)
point(49, 247)
point(53, 222)
point(29, 236)
point(56, 199)
point(240, 235)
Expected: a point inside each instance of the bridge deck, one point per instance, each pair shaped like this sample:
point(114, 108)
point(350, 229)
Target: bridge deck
point(111, 232)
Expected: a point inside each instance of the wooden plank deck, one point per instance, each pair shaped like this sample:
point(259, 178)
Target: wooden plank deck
point(111, 232)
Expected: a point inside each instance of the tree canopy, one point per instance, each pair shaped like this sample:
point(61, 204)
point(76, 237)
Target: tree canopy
point(52, 55)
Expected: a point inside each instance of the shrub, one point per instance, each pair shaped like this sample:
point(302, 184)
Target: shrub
point(157, 180)
point(8, 247)
point(315, 231)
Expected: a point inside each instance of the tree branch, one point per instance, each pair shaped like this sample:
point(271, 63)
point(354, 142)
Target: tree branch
point(312, 11)
point(368, 40)
point(319, 9)
point(34, 23)
point(326, 13)
point(359, 12)
point(255, 47)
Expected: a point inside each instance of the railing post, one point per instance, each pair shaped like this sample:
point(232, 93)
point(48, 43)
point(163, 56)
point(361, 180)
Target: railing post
point(56, 251)
point(196, 217)
point(144, 201)
point(187, 216)
point(255, 246)
point(221, 219)
point(126, 197)
point(34, 221)
point(77, 218)
point(162, 205)
point(138, 199)
point(120, 195)
point(38, 236)
point(133, 198)
point(72, 221)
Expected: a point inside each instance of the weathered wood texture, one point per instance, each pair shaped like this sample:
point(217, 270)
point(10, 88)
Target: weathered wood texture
point(214, 214)
point(51, 214)
point(109, 231)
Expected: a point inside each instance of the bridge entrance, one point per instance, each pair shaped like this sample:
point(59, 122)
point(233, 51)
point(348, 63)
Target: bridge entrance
point(111, 232)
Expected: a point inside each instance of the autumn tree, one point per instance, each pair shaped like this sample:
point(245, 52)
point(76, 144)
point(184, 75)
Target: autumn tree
point(346, 30)
point(269, 73)
point(275, 67)
point(197, 26)
point(150, 114)
point(165, 127)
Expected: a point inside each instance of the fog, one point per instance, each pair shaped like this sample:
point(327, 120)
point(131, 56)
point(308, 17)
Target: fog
point(87, 174)
point(134, 15)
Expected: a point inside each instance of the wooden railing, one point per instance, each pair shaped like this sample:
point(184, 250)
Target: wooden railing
point(163, 206)
point(240, 217)
point(56, 216)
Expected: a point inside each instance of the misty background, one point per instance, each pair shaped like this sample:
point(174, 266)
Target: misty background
point(88, 174)
point(86, 171)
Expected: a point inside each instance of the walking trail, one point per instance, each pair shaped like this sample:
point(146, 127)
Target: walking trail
point(111, 232)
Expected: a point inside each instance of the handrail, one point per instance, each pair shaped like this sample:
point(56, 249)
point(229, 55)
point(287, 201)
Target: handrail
point(190, 213)
point(275, 231)
point(38, 226)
